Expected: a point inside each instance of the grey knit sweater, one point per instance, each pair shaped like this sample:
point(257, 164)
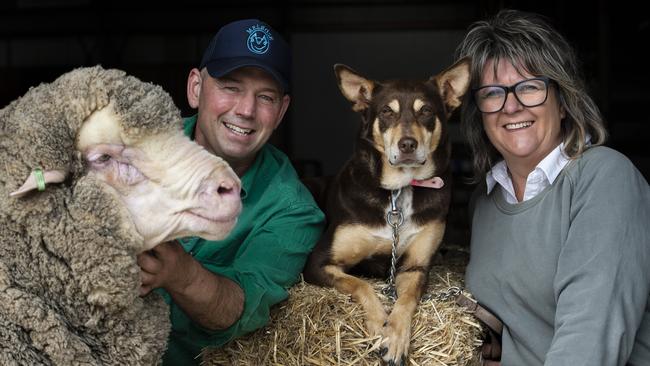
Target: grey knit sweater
point(568, 271)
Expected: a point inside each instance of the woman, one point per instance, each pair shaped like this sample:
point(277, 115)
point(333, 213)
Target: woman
point(560, 247)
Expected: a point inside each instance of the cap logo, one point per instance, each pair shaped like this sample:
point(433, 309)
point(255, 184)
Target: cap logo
point(259, 39)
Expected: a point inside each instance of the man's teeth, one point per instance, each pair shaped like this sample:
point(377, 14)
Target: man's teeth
point(514, 126)
point(239, 130)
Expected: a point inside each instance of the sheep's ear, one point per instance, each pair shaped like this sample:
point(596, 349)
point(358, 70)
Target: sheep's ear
point(31, 183)
point(354, 87)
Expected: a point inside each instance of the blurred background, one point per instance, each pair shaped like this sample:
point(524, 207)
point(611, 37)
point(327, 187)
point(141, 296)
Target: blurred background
point(160, 43)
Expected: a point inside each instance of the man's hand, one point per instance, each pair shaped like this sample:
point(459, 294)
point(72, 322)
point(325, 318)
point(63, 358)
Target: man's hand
point(168, 266)
point(213, 301)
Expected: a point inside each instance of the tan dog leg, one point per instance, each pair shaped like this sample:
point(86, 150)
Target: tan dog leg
point(409, 282)
point(363, 294)
point(396, 335)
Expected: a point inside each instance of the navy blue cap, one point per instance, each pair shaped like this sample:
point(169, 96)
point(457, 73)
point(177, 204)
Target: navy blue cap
point(248, 42)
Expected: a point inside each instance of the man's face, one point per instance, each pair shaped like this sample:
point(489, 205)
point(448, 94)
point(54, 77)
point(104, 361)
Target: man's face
point(237, 113)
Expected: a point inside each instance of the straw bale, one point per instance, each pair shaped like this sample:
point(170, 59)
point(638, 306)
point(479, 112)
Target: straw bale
point(320, 326)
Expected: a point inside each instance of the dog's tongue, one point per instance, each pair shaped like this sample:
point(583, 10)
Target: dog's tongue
point(435, 182)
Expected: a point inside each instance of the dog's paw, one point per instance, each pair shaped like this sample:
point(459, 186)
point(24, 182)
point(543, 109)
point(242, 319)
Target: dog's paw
point(383, 351)
point(396, 337)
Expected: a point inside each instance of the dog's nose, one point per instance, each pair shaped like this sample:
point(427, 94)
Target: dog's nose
point(407, 145)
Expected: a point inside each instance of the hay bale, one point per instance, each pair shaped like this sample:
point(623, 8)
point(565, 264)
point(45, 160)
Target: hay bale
point(320, 326)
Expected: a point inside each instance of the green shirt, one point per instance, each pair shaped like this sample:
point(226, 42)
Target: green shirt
point(568, 271)
point(264, 254)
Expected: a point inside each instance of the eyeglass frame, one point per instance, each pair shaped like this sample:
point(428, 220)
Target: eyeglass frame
point(511, 89)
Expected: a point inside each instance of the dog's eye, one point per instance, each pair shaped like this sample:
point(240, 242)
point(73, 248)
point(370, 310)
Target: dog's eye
point(426, 110)
point(386, 111)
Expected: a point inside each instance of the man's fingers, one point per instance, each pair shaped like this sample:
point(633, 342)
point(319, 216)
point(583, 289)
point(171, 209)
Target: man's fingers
point(147, 279)
point(149, 263)
point(164, 249)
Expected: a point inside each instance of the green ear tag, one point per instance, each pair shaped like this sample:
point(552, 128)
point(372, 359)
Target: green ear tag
point(40, 179)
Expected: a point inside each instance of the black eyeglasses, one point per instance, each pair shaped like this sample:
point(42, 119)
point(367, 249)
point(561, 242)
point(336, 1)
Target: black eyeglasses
point(529, 92)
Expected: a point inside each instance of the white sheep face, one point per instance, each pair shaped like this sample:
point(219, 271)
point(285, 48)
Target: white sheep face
point(170, 186)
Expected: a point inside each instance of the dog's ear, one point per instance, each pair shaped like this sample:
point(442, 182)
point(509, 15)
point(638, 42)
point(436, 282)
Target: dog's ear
point(453, 83)
point(354, 87)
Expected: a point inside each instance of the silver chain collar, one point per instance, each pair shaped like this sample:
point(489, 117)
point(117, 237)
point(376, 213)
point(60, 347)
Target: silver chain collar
point(394, 218)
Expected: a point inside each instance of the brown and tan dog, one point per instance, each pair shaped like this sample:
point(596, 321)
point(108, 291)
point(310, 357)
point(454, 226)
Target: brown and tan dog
point(396, 182)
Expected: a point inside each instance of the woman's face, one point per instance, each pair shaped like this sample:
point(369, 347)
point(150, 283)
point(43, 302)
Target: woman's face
point(523, 135)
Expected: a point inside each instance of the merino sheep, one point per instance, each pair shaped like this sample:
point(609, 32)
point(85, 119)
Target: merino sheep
point(118, 177)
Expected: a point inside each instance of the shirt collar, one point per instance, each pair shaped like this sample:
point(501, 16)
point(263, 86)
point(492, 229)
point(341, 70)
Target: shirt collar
point(553, 163)
point(498, 173)
point(550, 166)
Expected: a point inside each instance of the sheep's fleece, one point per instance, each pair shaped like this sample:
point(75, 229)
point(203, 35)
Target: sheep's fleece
point(68, 273)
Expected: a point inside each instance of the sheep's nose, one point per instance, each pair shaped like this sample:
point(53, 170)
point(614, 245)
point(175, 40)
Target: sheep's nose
point(225, 189)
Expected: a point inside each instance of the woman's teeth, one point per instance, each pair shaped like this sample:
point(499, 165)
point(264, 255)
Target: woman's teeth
point(238, 130)
point(515, 126)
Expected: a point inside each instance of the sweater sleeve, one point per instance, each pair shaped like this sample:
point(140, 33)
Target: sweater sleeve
point(602, 281)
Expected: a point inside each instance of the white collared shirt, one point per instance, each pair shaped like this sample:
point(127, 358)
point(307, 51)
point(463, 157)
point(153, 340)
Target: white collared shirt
point(541, 177)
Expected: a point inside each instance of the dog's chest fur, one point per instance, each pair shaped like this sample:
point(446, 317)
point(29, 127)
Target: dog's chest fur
point(354, 242)
point(406, 230)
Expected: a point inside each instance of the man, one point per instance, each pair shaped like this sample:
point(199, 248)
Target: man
point(220, 290)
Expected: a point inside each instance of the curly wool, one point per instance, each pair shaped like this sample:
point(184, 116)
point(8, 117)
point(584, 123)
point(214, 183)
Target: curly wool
point(68, 273)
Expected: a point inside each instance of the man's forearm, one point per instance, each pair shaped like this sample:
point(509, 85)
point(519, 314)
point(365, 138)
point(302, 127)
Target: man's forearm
point(213, 301)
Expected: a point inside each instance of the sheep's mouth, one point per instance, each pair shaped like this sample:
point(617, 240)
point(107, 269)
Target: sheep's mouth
point(219, 219)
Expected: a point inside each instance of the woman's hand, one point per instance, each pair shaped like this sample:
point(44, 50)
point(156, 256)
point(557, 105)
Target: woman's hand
point(491, 351)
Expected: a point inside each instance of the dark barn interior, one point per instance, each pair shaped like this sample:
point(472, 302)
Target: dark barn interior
point(160, 43)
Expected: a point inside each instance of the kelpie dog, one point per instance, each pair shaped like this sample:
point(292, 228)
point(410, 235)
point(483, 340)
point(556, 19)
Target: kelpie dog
point(390, 200)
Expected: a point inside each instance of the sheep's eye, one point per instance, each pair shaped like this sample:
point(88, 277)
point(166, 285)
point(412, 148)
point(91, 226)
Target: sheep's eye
point(103, 158)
